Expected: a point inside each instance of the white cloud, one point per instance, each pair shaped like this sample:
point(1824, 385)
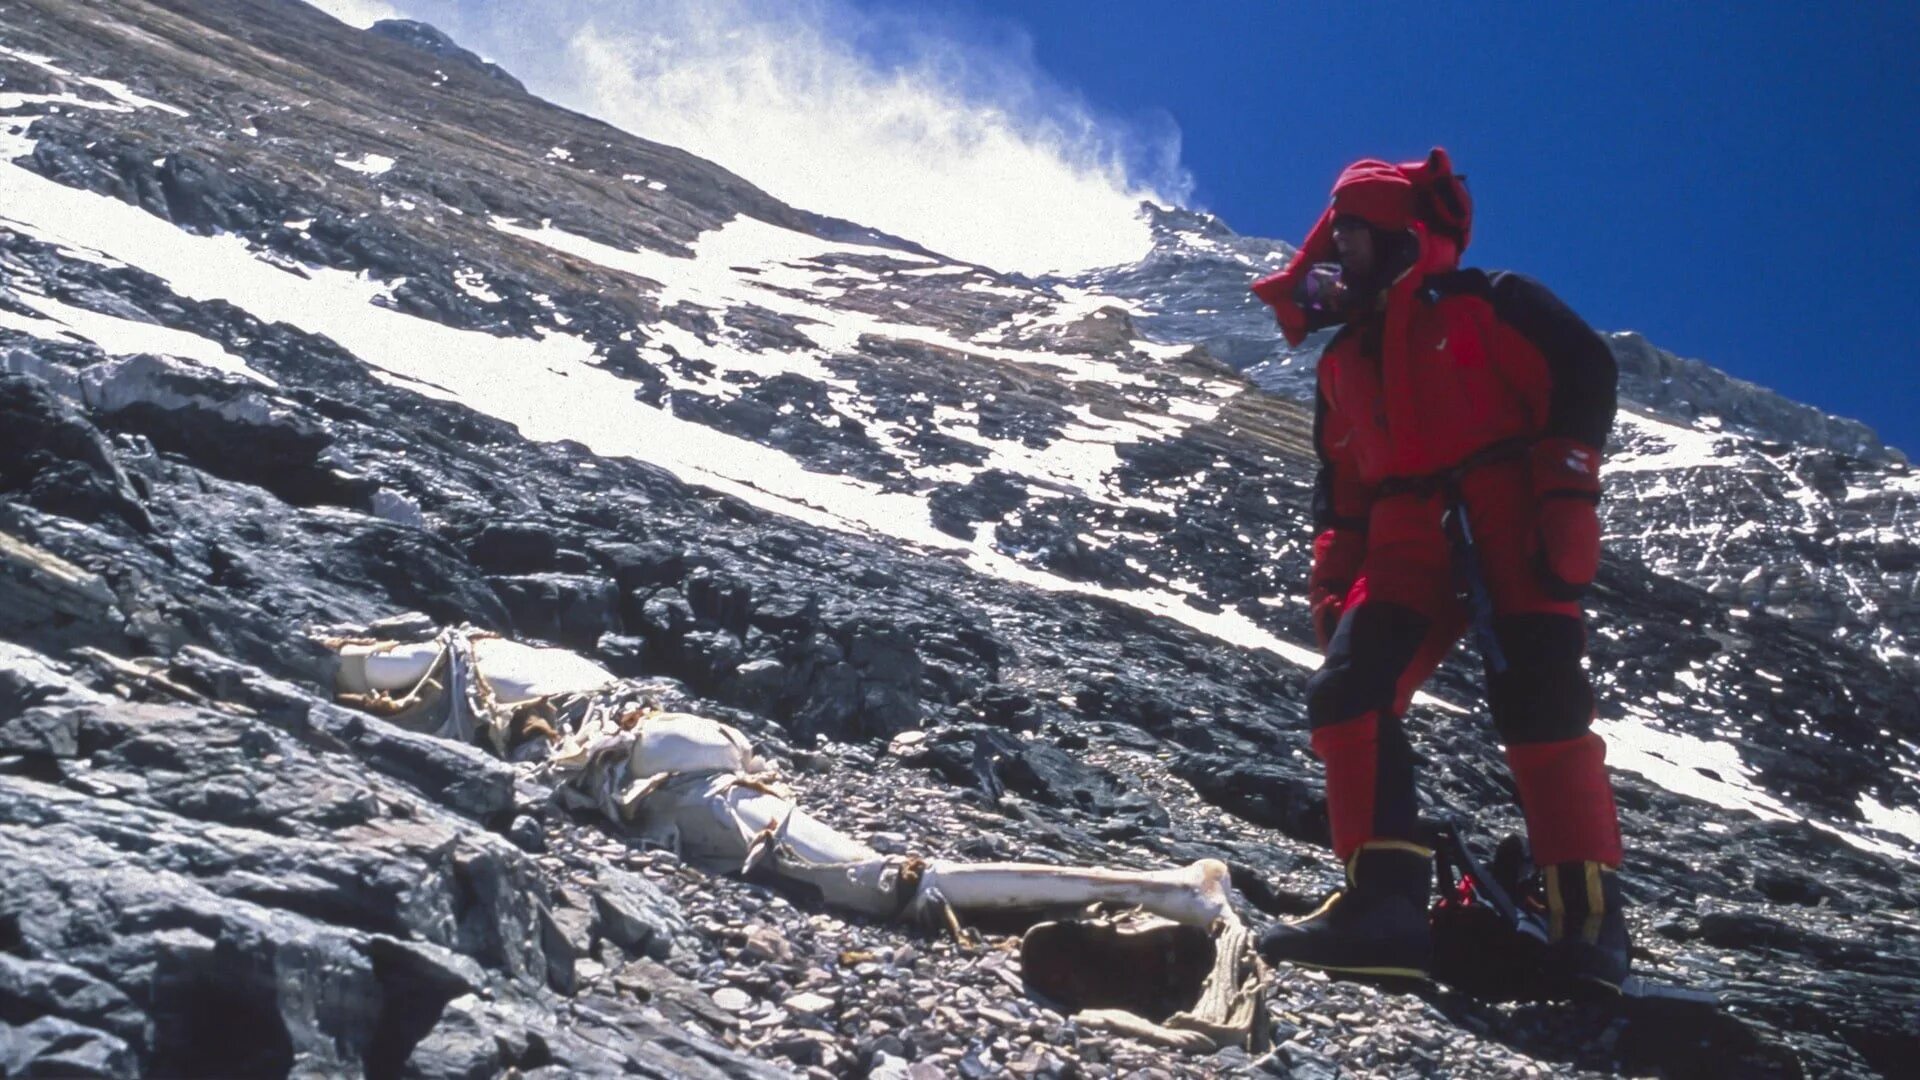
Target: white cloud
point(360, 13)
point(948, 134)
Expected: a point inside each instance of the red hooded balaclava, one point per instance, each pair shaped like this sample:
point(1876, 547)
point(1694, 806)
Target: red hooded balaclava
point(1423, 197)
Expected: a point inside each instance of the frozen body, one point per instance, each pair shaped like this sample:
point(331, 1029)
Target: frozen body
point(694, 785)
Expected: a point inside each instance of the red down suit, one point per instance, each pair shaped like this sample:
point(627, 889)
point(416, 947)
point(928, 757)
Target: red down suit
point(1482, 387)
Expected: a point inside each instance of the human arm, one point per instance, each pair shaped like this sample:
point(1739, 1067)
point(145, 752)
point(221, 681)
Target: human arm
point(1340, 506)
point(1564, 461)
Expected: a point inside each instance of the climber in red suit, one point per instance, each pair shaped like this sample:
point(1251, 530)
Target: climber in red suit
point(1460, 420)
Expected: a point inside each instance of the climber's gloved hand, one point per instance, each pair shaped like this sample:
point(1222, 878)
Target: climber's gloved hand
point(1337, 554)
point(1566, 492)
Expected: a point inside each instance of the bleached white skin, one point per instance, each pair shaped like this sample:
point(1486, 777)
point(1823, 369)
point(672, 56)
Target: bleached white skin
point(514, 672)
point(399, 668)
point(518, 672)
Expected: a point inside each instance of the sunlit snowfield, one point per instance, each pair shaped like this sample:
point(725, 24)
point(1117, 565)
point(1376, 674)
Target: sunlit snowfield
point(551, 389)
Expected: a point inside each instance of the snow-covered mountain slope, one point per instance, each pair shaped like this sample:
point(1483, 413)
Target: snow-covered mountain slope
point(303, 326)
point(1762, 501)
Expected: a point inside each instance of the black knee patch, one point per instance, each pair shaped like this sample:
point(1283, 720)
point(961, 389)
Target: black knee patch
point(1544, 695)
point(1369, 650)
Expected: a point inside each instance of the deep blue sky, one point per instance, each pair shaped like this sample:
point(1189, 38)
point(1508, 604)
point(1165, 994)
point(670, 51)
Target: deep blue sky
point(1739, 181)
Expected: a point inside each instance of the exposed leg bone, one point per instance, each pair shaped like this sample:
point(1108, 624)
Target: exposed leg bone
point(1196, 895)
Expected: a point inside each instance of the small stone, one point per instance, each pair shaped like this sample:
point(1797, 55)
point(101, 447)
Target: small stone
point(733, 999)
point(808, 1003)
point(888, 843)
point(768, 944)
point(801, 1049)
point(527, 834)
point(1002, 1018)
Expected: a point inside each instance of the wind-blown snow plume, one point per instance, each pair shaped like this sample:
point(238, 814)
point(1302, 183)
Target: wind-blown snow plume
point(945, 133)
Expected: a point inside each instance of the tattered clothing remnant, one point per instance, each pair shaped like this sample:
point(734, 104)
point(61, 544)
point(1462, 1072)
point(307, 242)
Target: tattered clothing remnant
point(1191, 988)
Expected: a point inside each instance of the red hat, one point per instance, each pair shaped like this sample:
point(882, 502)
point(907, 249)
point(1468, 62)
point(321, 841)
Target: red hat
point(1424, 196)
point(1376, 192)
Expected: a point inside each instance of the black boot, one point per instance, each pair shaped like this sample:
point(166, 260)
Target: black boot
point(1376, 926)
point(1586, 926)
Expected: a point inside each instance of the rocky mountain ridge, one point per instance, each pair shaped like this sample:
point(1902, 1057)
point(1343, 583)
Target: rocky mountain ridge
point(304, 328)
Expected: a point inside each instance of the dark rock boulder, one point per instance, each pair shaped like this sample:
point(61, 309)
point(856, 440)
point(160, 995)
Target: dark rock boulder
point(566, 609)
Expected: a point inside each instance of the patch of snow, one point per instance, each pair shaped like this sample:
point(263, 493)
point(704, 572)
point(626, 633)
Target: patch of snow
point(1674, 446)
point(1159, 351)
point(127, 100)
point(1675, 762)
point(1901, 821)
point(995, 290)
point(13, 101)
point(1713, 772)
point(474, 284)
point(370, 164)
point(1193, 410)
point(122, 337)
point(780, 258)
